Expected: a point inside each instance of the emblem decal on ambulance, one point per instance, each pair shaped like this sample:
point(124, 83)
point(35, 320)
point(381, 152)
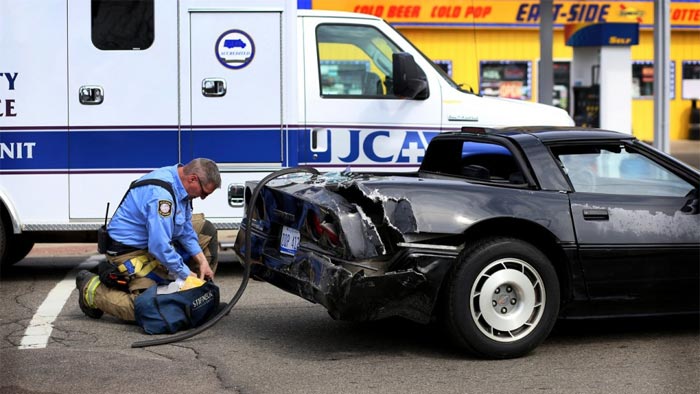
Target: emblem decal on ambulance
point(235, 49)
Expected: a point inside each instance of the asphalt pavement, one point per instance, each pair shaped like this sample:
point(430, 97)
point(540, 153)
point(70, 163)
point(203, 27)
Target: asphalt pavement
point(275, 342)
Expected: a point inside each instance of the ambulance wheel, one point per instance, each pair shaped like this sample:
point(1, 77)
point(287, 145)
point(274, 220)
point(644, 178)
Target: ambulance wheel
point(3, 242)
point(21, 246)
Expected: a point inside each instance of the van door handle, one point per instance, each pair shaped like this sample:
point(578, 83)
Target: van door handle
point(595, 214)
point(314, 139)
point(236, 196)
point(319, 139)
point(91, 95)
point(213, 87)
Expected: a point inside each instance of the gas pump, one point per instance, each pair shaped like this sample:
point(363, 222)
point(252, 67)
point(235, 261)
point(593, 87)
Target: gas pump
point(587, 102)
point(602, 74)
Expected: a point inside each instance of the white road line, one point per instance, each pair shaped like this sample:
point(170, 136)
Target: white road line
point(37, 334)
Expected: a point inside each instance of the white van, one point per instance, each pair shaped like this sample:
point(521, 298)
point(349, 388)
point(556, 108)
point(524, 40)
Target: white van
point(93, 94)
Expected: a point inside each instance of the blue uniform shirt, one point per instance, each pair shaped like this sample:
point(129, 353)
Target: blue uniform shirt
point(145, 220)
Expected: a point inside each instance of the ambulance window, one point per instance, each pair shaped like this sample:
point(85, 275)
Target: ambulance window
point(122, 24)
point(354, 61)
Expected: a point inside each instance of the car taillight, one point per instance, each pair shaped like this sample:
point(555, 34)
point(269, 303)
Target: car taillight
point(320, 228)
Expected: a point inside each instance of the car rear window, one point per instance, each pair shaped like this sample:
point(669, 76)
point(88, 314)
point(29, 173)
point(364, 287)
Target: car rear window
point(483, 161)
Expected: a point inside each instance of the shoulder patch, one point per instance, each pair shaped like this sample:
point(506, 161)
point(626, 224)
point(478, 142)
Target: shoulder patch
point(165, 208)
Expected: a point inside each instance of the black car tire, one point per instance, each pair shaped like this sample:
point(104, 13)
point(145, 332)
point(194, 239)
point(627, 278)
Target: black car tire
point(502, 300)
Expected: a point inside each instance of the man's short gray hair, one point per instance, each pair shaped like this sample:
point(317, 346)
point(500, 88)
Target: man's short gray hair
point(206, 170)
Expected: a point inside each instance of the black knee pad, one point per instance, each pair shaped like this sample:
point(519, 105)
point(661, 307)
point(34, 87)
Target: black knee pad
point(209, 229)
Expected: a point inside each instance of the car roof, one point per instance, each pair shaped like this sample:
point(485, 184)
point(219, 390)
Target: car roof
point(550, 133)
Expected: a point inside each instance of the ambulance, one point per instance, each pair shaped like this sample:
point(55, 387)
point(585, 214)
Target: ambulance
point(94, 94)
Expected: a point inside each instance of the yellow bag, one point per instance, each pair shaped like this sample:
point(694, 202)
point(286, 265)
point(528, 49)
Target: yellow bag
point(191, 282)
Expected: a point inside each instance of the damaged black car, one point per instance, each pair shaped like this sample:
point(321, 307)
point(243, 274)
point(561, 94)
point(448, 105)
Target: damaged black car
point(498, 234)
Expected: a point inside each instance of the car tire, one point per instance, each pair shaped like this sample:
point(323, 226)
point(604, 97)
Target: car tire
point(502, 299)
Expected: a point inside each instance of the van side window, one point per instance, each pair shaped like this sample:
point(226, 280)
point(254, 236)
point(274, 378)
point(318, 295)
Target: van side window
point(354, 61)
point(122, 24)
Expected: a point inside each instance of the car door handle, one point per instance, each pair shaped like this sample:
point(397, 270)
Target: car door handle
point(595, 214)
point(691, 207)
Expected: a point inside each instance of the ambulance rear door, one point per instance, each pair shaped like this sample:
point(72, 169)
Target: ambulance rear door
point(234, 63)
point(122, 98)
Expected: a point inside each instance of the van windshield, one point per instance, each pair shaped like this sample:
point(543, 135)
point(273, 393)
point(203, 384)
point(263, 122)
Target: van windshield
point(356, 60)
point(437, 68)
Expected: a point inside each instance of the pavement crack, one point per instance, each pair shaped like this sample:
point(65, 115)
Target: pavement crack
point(222, 378)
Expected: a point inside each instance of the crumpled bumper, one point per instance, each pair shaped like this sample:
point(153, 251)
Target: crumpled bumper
point(350, 292)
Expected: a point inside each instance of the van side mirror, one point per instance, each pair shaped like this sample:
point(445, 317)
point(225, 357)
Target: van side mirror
point(409, 80)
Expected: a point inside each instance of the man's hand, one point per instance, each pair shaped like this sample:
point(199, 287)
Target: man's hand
point(205, 271)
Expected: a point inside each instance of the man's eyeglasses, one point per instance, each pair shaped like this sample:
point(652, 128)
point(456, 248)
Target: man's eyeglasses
point(201, 187)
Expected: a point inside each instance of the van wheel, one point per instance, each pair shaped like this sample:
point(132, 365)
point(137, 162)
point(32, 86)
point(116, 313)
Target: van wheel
point(20, 247)
point(502, 300)
point(3, 243)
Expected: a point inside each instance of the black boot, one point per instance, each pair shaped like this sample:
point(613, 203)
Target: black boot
point(81, 282)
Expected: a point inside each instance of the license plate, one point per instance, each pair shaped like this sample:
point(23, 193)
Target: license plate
point(289, 241)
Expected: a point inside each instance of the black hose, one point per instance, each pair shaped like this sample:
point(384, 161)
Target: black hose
point(246, 271)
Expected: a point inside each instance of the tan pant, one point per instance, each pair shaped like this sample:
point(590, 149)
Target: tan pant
point(121, 303)
point(208, 241)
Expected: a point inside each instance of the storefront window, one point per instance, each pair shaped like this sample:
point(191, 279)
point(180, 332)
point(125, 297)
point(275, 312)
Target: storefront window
point(691, 79)
point(445, 65)
point(509, 79)
point(562, 81)
point(643, 79)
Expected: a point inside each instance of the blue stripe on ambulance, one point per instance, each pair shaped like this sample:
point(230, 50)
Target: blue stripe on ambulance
point(133, 148)
point(233, 146)
point(362, 146)
point(127, 148)
point(33, 150)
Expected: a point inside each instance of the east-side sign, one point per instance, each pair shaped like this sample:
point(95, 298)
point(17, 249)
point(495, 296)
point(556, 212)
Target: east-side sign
point(506, 13)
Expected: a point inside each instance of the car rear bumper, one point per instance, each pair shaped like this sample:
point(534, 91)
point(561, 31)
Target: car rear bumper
point(350, 292)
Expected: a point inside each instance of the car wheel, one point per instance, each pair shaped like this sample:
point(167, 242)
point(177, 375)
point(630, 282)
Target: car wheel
point(502, 299)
